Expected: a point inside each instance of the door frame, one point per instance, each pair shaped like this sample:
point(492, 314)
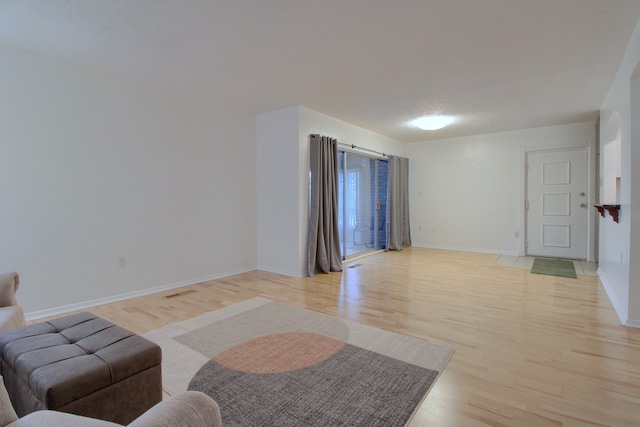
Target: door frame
point(591, 188)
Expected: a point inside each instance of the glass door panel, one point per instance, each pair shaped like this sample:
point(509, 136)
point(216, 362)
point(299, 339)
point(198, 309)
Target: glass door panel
point(381, 226)
point(360, 173)
point(360, 205)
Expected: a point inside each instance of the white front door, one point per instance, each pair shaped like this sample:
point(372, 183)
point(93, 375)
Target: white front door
point(557, 203)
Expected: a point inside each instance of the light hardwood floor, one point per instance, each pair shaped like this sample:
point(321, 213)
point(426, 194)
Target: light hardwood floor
point(531, 350)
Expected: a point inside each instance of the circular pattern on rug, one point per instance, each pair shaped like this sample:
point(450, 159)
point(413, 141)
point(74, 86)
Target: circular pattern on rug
point(277, 353)
point(353, 387)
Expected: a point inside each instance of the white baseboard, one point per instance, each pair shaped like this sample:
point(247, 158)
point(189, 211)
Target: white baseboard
point(282, 272)
point(620, 309)
point(57, 311)
point(633, 323)
point(460, 249)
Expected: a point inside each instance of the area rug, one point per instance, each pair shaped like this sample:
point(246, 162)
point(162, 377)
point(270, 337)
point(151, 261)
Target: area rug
point(554, 267)
point(272, 364)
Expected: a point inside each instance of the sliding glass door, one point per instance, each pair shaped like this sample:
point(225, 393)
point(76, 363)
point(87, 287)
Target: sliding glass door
point(362, 183)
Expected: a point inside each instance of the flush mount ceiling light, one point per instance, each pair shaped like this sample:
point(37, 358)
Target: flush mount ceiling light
point(432, 122)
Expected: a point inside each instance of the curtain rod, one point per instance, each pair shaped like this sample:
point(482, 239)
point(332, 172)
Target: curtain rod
point(363, 149)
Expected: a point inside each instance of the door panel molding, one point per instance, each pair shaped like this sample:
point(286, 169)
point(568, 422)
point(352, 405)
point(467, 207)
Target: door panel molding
point(556, 235)
point(556, 204)
point(556, 173)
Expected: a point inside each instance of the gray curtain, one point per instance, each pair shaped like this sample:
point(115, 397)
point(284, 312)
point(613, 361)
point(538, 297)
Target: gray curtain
point(398, 227)
point(323, 252)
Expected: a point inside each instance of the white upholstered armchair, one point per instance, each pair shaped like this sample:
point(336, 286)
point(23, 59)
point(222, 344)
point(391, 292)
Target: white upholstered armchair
point(187, 409)
point(11, 314)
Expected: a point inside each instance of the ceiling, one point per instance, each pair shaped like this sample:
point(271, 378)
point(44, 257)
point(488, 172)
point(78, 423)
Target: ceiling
point(496, 65)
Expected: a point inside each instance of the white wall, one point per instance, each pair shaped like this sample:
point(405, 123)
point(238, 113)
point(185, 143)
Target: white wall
point(468, 193)
point(278, 184)
point(284, 193)
point(634, 209)
point(619, 275)
point(95, 168)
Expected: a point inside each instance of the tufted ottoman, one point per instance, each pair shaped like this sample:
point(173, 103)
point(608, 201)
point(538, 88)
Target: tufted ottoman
point(83, 365)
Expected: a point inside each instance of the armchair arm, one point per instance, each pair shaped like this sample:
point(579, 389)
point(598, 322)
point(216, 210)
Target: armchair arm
point(9, 283)
point(188, 409)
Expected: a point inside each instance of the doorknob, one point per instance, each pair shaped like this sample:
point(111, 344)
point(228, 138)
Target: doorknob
point(583, 205)
point(582, 194)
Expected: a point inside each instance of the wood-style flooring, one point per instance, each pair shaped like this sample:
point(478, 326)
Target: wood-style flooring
point(530, 350)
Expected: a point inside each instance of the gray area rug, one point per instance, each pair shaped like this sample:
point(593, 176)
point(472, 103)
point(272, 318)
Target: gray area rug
point(268, 363)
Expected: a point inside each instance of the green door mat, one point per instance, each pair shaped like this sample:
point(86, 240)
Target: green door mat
point(554, 267)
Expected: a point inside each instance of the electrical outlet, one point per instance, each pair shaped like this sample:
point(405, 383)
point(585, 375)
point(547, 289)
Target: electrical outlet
point(122, 262)
point(517, 234)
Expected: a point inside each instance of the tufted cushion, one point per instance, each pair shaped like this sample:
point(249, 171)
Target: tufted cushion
point(63, 360)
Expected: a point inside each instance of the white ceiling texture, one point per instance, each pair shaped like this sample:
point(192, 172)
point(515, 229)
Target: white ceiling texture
point(496, 65)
